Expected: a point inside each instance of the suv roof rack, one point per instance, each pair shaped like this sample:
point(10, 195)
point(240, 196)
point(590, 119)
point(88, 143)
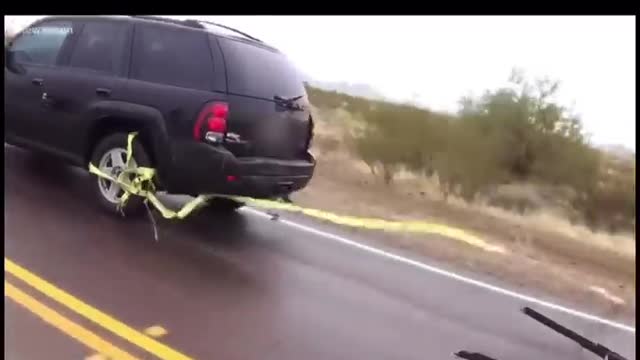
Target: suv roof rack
point(229, 28)
point(198, 24)
point(189, 23)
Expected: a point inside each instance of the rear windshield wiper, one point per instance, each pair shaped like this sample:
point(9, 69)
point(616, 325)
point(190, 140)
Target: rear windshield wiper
point(288, 102)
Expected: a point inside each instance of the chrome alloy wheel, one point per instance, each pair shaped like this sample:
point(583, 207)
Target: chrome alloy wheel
point(113, 162)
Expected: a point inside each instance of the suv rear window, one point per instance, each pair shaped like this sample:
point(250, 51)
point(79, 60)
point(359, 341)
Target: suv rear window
point(256, 71)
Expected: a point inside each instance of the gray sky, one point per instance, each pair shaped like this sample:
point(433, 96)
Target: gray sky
point(442, 58)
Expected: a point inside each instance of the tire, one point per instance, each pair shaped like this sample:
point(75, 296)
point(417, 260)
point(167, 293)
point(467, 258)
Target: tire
point(223, 205)
point(108, 149)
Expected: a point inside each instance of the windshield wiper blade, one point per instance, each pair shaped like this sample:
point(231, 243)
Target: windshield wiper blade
point(598, 349)
point(472, 356)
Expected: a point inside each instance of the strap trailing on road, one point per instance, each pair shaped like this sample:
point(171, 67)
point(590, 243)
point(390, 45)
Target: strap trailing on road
point(142, 185)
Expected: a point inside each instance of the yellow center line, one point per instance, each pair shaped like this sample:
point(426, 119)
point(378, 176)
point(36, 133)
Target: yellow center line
point(106, 321)
point(155, 331)
point(65, 325)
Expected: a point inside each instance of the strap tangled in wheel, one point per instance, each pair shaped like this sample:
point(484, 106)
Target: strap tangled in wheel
point(142, 185)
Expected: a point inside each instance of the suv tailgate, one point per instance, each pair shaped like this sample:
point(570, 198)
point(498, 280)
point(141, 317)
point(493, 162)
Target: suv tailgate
point(268, 106)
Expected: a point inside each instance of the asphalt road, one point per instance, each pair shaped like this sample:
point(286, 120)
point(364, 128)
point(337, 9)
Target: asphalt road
point(240, 287)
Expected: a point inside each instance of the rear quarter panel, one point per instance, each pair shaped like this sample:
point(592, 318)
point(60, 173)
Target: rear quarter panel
point(178, 106)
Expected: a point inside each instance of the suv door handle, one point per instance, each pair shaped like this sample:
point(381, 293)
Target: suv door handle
point(103, 91)
point(47, 100)
point(37, 81)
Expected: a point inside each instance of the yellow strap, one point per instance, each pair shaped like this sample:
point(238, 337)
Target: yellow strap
point(377, 224)
point(130, 146)
point(144, 176)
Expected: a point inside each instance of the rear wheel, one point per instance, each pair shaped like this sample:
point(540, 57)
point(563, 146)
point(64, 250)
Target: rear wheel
point(110, 156)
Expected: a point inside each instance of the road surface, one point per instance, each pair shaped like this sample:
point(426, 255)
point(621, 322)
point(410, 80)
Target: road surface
point(237, 287)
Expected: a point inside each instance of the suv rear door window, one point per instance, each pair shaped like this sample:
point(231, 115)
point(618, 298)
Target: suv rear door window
point(41, 44)
point(100, 47)
point(253, 70)
point(172, 56)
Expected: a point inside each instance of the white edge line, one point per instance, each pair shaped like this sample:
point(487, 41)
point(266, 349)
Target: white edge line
point(446, 273)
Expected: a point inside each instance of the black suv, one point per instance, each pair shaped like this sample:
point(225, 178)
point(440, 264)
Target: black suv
point(217, 111)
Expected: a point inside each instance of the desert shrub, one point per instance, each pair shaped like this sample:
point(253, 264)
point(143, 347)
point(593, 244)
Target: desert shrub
point(610, 203)
point(517, 133)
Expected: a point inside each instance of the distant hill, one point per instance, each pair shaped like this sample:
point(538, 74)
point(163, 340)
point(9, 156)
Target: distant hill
point(619, 151)
point(360, 90)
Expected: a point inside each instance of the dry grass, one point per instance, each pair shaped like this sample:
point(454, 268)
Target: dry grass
point(577, 259)
point(621, 244)
point(331, 146)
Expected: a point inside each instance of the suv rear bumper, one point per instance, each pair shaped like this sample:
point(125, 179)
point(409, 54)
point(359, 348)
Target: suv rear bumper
point(200, 168)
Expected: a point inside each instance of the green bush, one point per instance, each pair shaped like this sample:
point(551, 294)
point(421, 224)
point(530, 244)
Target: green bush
point(516, 133)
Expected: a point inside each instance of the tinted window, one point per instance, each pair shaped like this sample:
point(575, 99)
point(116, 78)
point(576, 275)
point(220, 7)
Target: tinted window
point(260, 72)
point(99, 47)
point(172, 56)
point(41, 44)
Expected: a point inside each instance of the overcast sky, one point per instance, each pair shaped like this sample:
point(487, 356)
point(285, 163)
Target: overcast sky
point(436, 60)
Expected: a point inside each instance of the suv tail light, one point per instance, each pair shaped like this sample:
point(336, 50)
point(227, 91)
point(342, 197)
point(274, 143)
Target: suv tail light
point(213, 121)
